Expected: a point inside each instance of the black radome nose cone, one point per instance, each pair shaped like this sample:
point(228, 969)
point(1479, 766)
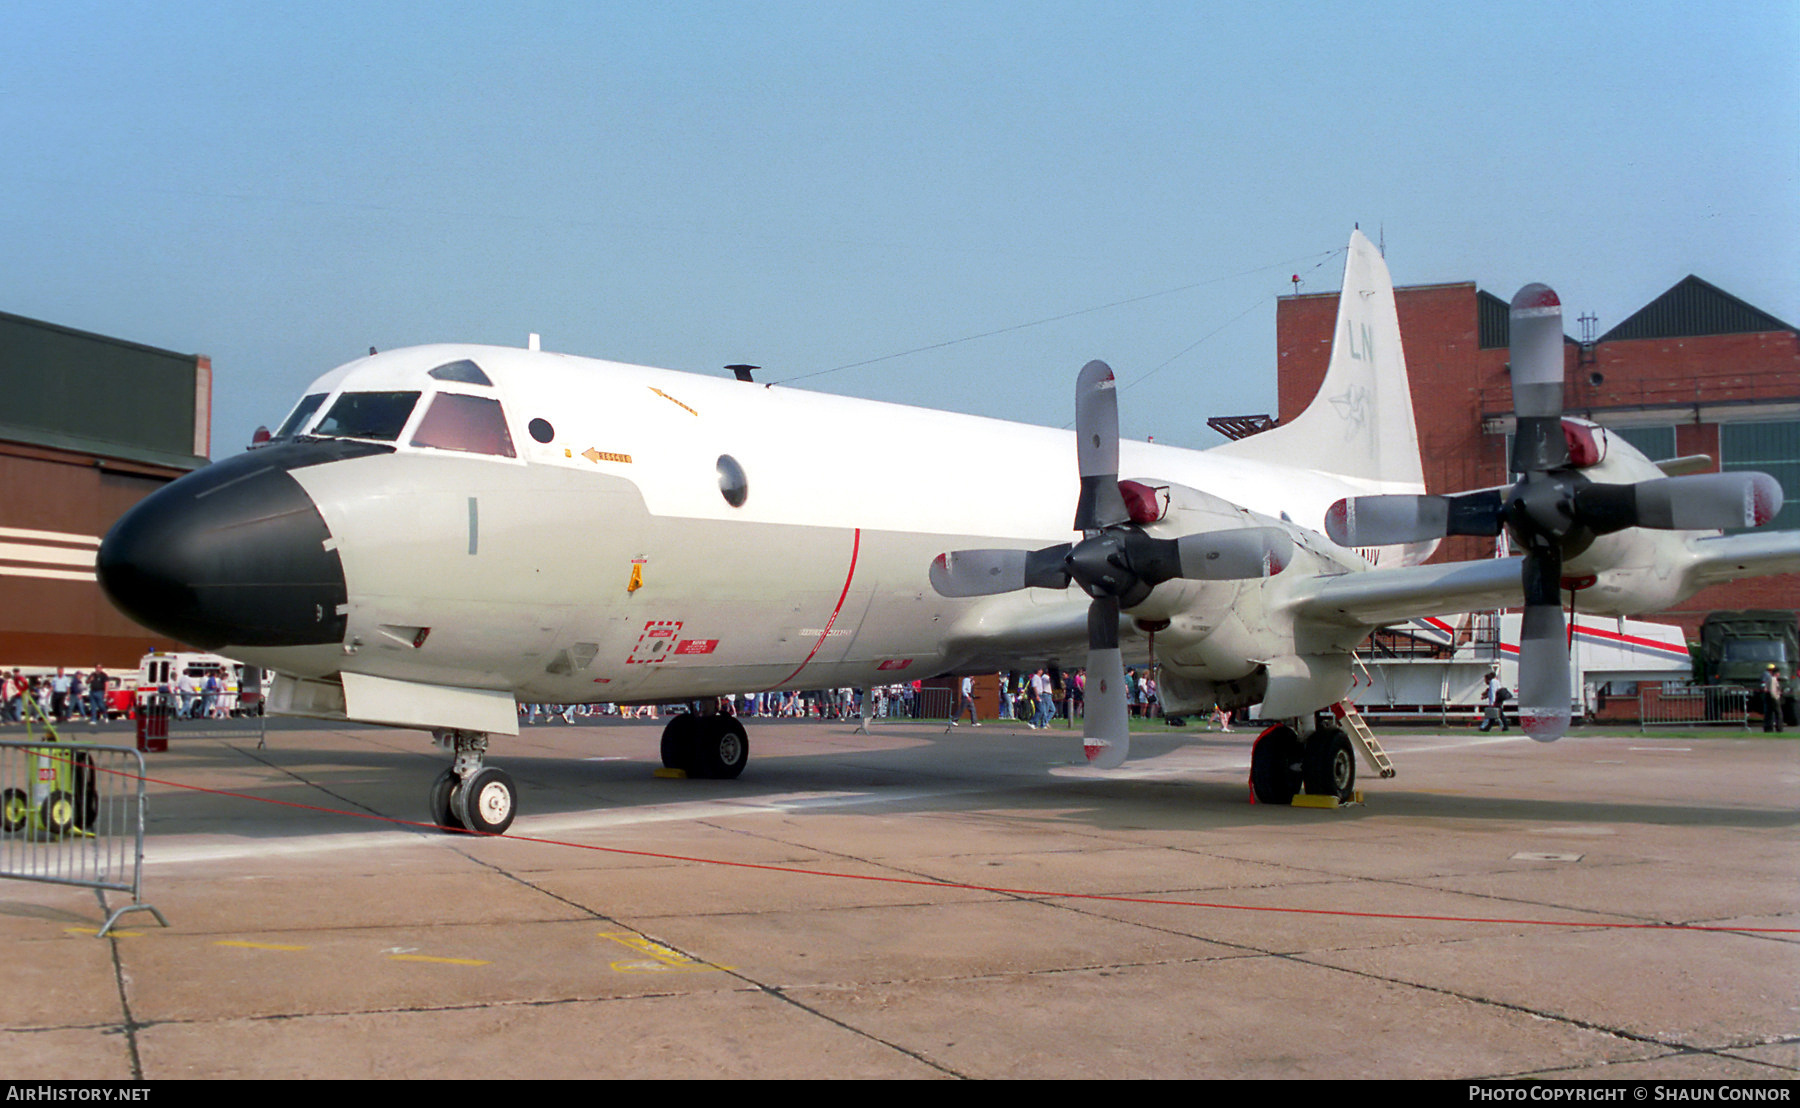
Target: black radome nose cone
point(233, 554)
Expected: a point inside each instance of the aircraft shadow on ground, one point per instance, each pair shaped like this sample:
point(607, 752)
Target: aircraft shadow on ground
point(333, 791)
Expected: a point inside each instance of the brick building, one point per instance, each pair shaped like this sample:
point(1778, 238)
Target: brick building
point(1695, 371)
point(91, 426)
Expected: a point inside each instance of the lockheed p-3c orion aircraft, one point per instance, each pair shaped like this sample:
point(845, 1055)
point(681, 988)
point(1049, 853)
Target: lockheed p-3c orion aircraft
point(438, 533)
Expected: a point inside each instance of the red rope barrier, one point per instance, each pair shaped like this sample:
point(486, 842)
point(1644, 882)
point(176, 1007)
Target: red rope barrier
point(1044, 894)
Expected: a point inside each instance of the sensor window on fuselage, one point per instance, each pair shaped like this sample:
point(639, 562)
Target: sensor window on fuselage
point(473, 424)
point(368, 415)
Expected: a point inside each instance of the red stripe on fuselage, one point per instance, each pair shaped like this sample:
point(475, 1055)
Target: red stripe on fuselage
point(855, 547)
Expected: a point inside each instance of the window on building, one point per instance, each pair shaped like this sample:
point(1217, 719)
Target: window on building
point(1773, 448)
point(1655, 443)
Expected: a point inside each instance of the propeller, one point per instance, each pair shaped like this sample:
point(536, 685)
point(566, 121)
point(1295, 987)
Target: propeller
point(1552, 511)
point(1115, 563)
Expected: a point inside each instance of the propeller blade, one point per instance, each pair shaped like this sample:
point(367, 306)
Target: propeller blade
point(1537, 380)
point(1543, 649)
point(1233, 555)
point(1097, 449)
point(986, 572)
point(1397, 519)
point(1387, 520)
point(1106, 724)
point(1701, 502)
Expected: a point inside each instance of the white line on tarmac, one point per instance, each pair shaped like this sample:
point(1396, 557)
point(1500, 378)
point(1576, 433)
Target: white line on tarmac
point(1180, 761)
point(195, 849)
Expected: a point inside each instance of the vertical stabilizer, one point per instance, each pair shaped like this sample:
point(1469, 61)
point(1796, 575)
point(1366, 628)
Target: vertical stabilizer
point(1360, 424)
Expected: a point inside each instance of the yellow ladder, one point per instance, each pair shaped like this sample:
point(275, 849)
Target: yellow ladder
point(1364, 738)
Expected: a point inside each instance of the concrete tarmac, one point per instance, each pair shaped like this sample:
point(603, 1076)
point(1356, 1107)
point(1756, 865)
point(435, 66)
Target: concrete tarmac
point(920, 904)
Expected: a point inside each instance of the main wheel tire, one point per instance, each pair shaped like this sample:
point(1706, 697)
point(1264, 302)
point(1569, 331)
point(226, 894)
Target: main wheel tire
point(486, 802)
point(1276, 770)
point(721, 749)
point(15, 810)
point(680, 737)
point(443, 803)
point(1330, 764)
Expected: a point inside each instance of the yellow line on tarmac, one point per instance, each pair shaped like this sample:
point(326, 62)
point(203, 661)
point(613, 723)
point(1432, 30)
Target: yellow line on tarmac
point(440, 961)
point(660, 958)
point(257, 946)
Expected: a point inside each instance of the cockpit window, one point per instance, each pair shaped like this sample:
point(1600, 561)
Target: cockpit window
point(474, 424)
point(368, 415)
point(463, 372)
point(302, 412)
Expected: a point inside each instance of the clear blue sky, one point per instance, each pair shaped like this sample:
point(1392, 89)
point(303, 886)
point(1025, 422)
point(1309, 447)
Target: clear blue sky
point(802, 186)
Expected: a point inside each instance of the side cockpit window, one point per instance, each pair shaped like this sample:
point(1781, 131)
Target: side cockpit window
point(473, 424)
point(368, 415)
point(302, 412)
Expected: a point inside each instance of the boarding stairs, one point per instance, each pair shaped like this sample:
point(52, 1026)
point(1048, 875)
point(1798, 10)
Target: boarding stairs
point(1363, 738)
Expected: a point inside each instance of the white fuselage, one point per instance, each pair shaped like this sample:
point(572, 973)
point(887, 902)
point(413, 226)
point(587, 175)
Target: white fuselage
point(606, 563)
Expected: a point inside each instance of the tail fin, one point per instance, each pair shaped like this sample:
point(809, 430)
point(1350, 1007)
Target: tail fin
point(1360, 424)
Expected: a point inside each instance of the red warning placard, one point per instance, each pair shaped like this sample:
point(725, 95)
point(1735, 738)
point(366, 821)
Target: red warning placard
point(696, 646)
point(656, 643)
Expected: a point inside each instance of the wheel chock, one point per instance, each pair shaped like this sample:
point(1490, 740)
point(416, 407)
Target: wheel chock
point(1302, 800)
point(674, 774)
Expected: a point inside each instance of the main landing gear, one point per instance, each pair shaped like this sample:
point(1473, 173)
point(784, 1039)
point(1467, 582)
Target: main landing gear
point(470, 796)
point(706, 745)
point(1282, 764)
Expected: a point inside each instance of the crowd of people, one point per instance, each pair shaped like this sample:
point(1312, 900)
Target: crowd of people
point(83, 697)
point(1044, 695)
point(1035, 699)
point(62, 696)
point(845, 703)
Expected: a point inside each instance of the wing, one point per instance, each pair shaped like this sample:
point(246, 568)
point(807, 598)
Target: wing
point(1722, 558)
point(1383, 596)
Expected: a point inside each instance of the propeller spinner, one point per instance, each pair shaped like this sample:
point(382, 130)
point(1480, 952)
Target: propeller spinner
point(1552, 511)
point(1115, 563)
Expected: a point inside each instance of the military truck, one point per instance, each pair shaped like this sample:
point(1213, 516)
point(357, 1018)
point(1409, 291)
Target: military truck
point(1737, 647)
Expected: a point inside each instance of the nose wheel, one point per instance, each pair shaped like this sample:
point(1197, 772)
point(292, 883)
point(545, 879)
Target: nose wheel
point(469, 796)
point(486, 801)
point(443, 814)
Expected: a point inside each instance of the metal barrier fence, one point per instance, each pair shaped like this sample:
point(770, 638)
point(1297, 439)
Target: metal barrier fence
point(1669, 705)
point(199, 716)
point(934, 703)
point(72, 813)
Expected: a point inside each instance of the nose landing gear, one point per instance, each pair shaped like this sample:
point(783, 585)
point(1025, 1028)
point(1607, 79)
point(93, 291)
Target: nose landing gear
point(469, 796)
